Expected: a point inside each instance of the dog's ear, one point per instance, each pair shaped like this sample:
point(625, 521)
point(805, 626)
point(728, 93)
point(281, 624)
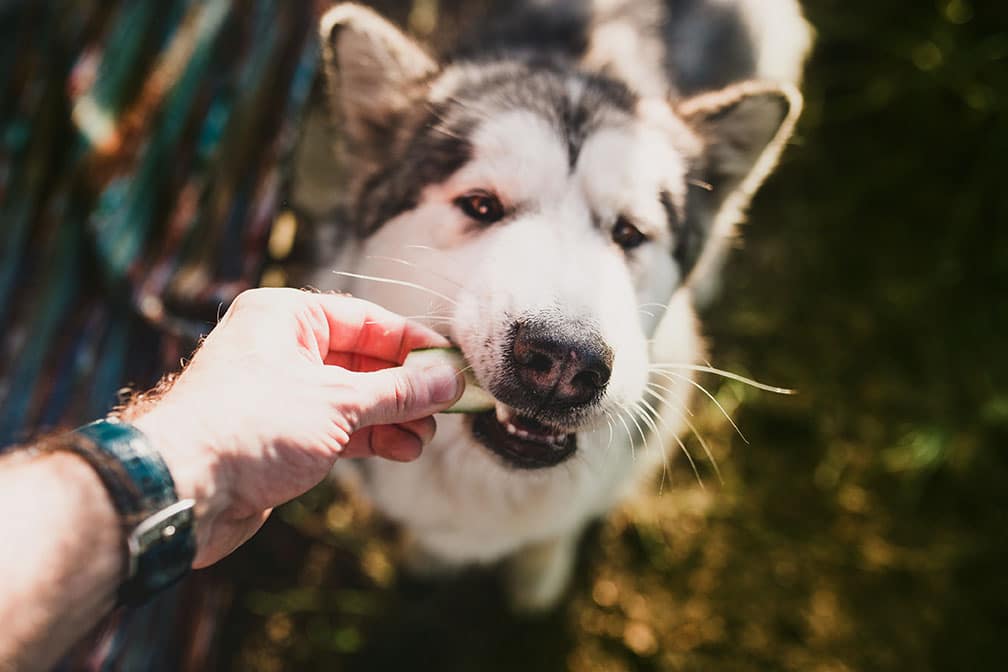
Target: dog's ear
point(743, 128)
point(373, 73)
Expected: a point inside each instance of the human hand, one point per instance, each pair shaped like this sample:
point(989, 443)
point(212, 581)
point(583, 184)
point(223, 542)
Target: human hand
point(286, 383)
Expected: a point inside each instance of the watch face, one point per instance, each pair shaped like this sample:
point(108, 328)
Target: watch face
point(161, 551)
point(162, 527)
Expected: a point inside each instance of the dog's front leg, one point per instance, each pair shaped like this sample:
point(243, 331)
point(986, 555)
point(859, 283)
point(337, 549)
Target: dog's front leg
point(538, 574)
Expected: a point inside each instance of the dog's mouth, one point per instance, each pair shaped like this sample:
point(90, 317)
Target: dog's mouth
point(522, 441)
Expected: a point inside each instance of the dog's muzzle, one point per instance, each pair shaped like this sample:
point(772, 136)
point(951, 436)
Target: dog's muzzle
point(553, 372)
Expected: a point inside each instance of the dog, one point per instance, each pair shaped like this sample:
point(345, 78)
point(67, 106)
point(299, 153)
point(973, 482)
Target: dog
point(551, 195)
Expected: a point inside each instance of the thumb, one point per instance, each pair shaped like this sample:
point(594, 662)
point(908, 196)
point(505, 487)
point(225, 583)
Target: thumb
point(402, 394)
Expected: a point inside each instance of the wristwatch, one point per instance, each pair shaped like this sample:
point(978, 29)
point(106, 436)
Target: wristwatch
point(159, 528)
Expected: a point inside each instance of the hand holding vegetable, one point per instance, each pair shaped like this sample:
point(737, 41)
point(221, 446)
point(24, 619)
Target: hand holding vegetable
point(288, 382)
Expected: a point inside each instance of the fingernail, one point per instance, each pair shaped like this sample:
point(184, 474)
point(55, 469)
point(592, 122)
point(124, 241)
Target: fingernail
point(445, 383)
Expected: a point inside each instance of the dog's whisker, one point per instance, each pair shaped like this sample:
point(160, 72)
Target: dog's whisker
point(406, 262)
point(609, 423)
point(427, 248)
point(682, 446)
point(654, 428)
point(471, 108)
point(439, 128)
point(661, 306)
point(629, 434)
point(445, 132)
point(706, 449)
point(670, 391)
point(655, 413)
point(692, 463)
point(682, 413)
point(657, 396)
point(710, 396)
point(633, 419)
point(724, 374)
point(401, 283)
point(649, 389)
point(634, 413)
point(648, 422)
point(368, 323)
point(433, 318)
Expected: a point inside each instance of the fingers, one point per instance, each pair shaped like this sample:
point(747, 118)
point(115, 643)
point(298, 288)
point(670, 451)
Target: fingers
point(401, 443)
point(363, 328)
point(336, 323)
point(355, 362)
point(402, 394)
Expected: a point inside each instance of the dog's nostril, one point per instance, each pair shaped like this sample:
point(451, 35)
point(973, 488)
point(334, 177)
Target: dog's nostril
point(593, 379)
point(586, 380)
point(540, 362)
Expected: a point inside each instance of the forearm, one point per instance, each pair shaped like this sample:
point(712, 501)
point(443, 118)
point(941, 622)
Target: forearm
point(63, 557)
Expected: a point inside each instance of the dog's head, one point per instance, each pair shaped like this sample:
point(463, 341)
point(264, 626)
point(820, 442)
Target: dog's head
point(549, 213)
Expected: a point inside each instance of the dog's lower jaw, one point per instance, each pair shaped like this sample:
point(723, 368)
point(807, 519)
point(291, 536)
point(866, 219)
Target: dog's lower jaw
point(519, 448)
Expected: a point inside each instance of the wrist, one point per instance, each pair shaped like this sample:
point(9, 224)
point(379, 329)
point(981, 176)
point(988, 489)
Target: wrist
point(193, 462)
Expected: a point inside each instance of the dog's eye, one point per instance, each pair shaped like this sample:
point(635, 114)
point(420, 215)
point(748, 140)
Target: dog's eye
point(481, 206)
point(626, 235)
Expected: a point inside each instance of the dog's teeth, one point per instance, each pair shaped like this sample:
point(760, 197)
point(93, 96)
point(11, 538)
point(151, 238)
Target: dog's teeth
point(511, 429)
point(503, 415)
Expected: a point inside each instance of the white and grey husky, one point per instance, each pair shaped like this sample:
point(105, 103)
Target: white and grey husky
point(548, 196)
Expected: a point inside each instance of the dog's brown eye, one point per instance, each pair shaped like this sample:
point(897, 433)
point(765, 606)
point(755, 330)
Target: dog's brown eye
point(626, 235)
point(481, 206)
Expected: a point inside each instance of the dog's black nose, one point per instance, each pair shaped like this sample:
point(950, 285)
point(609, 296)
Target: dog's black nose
point(558, 368)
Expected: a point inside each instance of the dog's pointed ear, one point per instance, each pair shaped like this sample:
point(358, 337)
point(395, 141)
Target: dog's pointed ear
point(743, 128)
point(373, 73)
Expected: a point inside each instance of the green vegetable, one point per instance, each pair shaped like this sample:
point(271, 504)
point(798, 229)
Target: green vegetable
point(474, 399)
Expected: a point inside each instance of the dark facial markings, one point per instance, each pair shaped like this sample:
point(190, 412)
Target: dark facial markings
point(436, 150)
point(439, 146)
point(685, 232)
point(576, 119)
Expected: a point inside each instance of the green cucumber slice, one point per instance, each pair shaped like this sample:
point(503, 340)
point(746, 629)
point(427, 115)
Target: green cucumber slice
point(474, 399)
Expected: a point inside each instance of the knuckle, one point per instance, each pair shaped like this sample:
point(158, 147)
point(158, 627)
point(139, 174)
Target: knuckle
point(263, 296)
point(247, 298)
point(405, 394)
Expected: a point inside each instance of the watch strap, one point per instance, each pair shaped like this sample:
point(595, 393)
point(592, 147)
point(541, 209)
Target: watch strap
point(137, 478)
point(159, 529)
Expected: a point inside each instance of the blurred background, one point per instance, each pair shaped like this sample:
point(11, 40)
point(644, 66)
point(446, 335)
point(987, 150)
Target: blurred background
point(861, 524)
